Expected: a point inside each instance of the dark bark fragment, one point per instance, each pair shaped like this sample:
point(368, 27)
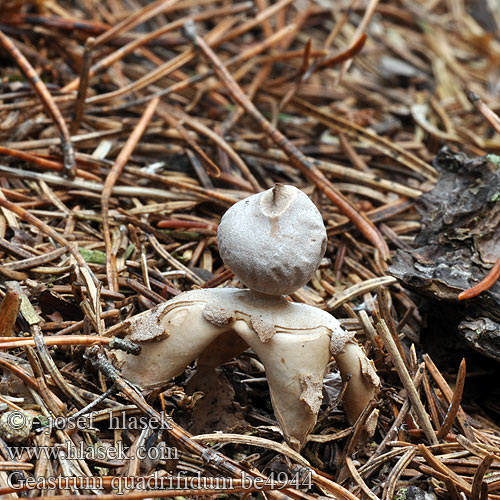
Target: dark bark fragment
point(459, 243)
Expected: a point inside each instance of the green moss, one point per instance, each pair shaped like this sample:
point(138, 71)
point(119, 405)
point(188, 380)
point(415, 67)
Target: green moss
point(495, 159)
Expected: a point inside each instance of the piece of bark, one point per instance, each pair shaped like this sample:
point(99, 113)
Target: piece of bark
point(9, 309)
point(459, 243)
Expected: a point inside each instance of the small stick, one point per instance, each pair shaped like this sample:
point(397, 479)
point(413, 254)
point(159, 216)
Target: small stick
point(485, 284)
point(64, 340)
point(455, 402)
point(51, 367)
point(210, 166)
point(339, 260)
point(82, 88)
point(405, 378)
point(265, 70)
point(366, 227)
point(331, 37)
point(45, 96)
point(111, 179)
point(220, 141)
point(59, 340)
point(450, 485)
point(168, 493)
point(334, 489)
point(173, 261)
point(492, 118)
point(165, 69)
point(429, 393)
point(395, 474)
point(20, 373)
point(354, 158)
point(292, 54)
point(396, 424)
point(191, 189)
point(337, 58)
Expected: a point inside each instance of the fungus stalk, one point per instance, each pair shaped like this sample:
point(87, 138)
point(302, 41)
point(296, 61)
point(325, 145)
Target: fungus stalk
point(273, 242)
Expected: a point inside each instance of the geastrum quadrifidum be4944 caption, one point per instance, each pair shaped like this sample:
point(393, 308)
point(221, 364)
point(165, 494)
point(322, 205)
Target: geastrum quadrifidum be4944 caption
point(273, 241)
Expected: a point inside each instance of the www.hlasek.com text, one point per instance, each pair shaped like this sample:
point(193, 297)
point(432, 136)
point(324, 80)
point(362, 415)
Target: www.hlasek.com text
point(98, 451)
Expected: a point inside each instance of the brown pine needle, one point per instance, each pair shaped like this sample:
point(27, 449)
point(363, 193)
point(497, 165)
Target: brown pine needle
point(452, 412)
point(82, 88)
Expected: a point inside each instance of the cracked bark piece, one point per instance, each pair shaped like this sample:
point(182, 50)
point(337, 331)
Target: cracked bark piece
point(459, 243)
point(483, 335)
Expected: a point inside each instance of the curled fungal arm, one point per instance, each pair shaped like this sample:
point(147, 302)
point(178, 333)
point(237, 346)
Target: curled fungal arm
point(362, 381)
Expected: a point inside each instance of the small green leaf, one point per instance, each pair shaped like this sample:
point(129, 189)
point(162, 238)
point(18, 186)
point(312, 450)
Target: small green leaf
point(129, 251)
point(93, 256)
point(181, 235)
point(43, 420)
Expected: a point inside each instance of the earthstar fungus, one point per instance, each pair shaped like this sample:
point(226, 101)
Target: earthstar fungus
point(273, 241)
